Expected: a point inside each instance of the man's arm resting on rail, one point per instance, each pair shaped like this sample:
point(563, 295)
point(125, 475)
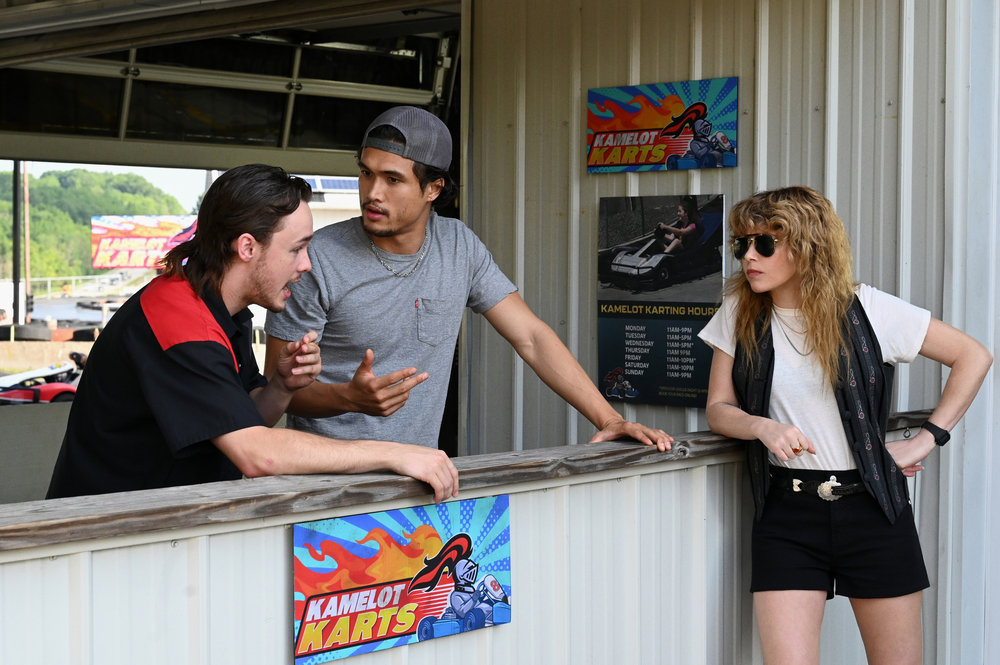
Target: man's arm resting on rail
point(261, 451)
point(554, 364)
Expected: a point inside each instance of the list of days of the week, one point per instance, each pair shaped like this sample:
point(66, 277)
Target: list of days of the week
point(637, 349)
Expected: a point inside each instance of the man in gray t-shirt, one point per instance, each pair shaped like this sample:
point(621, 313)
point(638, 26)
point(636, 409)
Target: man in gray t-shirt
point(389, 289)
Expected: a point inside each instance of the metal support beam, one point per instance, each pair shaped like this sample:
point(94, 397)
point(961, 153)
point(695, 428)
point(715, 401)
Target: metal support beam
point(16, 239)
point(191, 26)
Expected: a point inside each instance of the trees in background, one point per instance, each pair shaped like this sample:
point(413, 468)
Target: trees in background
point(61, 205)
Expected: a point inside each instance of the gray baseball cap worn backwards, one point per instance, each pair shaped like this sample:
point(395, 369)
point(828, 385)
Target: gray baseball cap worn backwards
point(428, 140)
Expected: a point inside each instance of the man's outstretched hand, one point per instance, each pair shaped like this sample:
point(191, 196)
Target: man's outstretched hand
point(381, 395)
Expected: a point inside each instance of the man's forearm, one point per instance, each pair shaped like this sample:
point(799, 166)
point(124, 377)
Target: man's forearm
point(271, 402)
point(261, 451)
point(559, 369)
point(320, 400)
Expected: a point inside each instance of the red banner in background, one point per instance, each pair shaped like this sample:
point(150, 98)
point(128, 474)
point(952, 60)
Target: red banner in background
point(136, 241)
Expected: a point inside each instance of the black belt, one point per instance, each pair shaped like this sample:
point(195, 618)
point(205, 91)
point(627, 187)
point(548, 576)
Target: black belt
point(828, 490)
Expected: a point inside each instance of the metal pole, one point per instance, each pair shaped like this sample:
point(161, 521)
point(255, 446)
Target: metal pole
point(16, 239)
point(27, 232)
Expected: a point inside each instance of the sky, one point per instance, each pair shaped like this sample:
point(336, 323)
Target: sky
point(186, 185)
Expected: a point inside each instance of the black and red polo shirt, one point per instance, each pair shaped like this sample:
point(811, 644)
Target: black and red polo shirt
point(169, 372)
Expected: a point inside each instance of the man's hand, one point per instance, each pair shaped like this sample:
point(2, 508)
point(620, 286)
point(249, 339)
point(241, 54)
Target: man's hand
point(621, 428)
point(381, 395)
point(429, 465)
point(299, 363)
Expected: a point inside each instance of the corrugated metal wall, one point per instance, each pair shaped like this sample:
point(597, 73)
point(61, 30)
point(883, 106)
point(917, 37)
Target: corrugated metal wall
point(588, 587)
point(890, 108)
point(835, 95)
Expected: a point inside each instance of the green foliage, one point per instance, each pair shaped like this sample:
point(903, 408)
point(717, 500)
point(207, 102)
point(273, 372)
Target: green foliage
point(61, 204)
point(6, 244)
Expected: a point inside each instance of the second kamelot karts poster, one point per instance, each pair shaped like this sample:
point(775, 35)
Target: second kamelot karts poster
point(379, 580)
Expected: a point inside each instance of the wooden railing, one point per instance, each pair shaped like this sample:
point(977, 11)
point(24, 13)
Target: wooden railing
point(39, 523)
point(60, 521)
point(618, 553)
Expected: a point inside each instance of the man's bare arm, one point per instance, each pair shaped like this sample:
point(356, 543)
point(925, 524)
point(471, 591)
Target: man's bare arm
point(554, 364)
point(261, 451)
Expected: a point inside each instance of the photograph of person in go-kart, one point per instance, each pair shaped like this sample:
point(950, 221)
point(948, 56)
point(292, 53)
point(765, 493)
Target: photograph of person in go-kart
point(654, 242)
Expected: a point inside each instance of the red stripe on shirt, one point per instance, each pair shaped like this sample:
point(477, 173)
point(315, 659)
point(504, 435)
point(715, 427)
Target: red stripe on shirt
point(177, 315)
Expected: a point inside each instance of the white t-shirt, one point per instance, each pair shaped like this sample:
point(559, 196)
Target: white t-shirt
point(799, 393)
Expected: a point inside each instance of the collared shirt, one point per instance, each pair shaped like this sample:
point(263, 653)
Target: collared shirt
point(169, 372)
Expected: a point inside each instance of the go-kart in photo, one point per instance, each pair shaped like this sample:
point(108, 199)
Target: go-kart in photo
point(674, 240)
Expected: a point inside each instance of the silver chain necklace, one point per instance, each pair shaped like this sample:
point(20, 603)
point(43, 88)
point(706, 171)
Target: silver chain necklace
point(781, 325)
point(420, 258)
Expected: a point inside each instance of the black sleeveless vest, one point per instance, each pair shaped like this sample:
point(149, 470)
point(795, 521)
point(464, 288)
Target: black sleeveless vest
point(863, 391)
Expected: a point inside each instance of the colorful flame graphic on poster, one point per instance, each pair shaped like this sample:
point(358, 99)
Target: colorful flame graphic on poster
point(379, 580)
point(662, 126)
point(136, 241)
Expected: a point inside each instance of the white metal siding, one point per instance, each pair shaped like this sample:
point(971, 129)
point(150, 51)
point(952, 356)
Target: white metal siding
point(846, 97)
point(641, 566)
point(890, 108)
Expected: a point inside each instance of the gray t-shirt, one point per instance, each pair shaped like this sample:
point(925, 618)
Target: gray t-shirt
point(355, 303)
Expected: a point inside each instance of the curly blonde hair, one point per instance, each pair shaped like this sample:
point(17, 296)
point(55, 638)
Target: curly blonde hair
point(814, 235)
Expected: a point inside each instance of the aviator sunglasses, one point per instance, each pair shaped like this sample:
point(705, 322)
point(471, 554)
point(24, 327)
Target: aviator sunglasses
point(763, 242)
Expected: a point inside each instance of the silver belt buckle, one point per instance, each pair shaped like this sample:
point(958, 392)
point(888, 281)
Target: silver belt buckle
point(825, 490)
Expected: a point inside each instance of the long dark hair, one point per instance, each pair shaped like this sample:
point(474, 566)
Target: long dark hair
point(246, 199)
point(690, 205)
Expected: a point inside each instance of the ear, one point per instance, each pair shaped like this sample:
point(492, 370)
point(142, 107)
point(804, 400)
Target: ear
point(434, 189)
point(246, 247)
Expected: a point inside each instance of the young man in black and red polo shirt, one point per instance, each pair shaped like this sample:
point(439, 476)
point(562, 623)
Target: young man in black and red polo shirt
point(172, 394)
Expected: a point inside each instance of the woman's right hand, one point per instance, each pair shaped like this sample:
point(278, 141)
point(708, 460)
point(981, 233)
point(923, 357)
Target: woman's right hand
point(785, 441)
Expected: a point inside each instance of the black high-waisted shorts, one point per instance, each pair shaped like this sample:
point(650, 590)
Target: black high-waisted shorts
point(847, 546)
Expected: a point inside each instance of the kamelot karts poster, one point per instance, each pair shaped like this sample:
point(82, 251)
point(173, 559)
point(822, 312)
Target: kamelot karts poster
point(379, 580)
point(663, 126)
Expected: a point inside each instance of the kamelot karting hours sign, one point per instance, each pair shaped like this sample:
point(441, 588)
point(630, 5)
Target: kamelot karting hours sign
point(370, 582)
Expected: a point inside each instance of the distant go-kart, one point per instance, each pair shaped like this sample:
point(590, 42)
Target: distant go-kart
point(55, 383)
point(641, 265)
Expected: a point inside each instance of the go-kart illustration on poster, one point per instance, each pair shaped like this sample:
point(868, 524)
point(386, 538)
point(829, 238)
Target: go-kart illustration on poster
point(659, 270)
point(379, 580)
point(663, 126)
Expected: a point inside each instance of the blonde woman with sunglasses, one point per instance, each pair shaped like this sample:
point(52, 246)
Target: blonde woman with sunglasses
point(802, 370)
